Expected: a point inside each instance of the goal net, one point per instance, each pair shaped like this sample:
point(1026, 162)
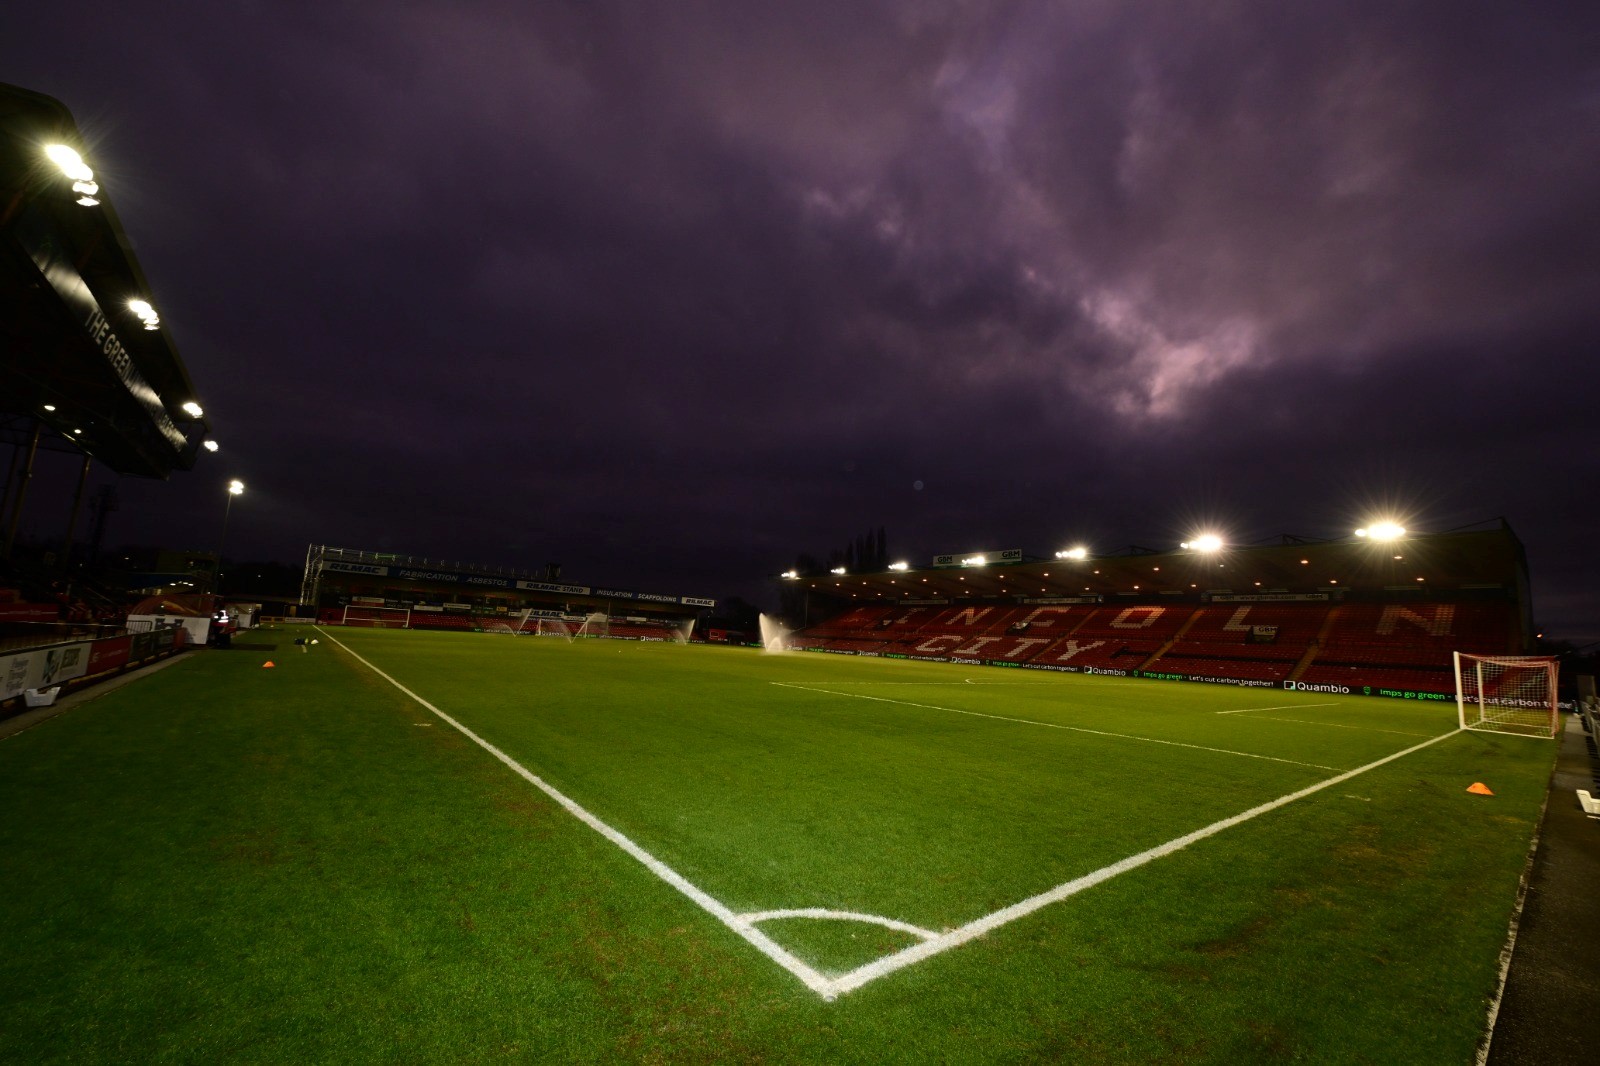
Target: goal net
point(378, 617)
point(1507, 693)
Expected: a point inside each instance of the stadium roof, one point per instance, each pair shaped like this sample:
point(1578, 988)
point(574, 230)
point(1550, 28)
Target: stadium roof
point(1476, 559)
point(79, 359)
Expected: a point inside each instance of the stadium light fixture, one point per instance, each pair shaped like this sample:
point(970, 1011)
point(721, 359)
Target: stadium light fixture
point(790, 574)
point(73, 166)
point(235, 488)
point(1382, 531)
point(837, 570)
point(146, 313)
point(49, 407)
point(70, 162)
point(193, 410)
point(1206, 542)
point(1073, 553)
point(899, 566)
point(975, 560)
point(210, 445)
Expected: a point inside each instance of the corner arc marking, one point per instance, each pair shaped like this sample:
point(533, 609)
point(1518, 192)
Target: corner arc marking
point(755, 917)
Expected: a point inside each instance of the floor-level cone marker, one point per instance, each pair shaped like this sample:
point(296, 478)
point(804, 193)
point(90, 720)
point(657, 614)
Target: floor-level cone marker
point(1478, 788)
point(267, 664)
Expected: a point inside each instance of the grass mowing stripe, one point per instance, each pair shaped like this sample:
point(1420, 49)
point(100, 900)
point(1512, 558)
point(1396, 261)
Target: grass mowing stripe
point(955, 938)
point(1055, 725)
point(768, 947)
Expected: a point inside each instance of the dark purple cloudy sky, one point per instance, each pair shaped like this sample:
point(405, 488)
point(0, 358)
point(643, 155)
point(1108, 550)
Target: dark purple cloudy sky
point(672, 291)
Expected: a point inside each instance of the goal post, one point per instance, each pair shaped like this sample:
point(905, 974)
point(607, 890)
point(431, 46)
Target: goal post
point(377, 617)
point(1507, 694)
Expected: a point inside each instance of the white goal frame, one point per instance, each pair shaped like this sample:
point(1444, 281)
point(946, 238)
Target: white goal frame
point(1513, 694)
point(378, 619)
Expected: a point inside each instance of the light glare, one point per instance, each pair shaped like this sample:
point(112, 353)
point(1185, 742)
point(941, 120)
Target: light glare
point(70, 162)
point(1206, 542)
point(1382, 531)
point(236, 486)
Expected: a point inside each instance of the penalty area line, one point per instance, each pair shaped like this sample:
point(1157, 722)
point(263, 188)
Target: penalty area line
point(740, 925)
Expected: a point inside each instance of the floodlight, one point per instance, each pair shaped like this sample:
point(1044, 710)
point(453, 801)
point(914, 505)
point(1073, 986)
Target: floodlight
point(193, 410)
point(210, 445)
point(62, 156)
point(236, 486)
point(87, 201)
point(1206, 542)
point(70, 162)
point(1073, 553)
point(87, 188)
point(975, 560)
point(899, 566)
point(837, 570)
point(146, 313)
point(1382, 531)
point(49, 407)
point(790, 574)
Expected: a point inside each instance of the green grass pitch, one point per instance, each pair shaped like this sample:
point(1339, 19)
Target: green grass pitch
point(307, 863)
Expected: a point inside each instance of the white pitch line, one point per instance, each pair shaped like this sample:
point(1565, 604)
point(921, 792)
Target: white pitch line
point(1339, 725)
point(1285, 707)
point(1055, 725)
point(841, 916)
point(830, 989)
point(762, 943)
point(956, 937)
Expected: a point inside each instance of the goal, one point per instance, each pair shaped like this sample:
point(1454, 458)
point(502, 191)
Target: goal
point(1507, 693)
point(378, 617)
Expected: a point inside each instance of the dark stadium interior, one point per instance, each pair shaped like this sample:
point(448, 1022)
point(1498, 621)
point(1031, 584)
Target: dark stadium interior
point(682, 297)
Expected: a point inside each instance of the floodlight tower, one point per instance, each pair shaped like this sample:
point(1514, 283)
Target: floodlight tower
point(235, 488)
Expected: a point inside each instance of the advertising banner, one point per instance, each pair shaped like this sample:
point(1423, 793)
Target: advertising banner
point(990, 558)
point(109, 654)
point(545, 586)
point(356, 568)
point(146, 644)
point(454, 577)
point(41, 668)
point(697, 601)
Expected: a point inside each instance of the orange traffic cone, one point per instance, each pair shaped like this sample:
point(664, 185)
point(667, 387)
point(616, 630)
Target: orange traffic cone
point(267, 664)
point(1478, 788)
